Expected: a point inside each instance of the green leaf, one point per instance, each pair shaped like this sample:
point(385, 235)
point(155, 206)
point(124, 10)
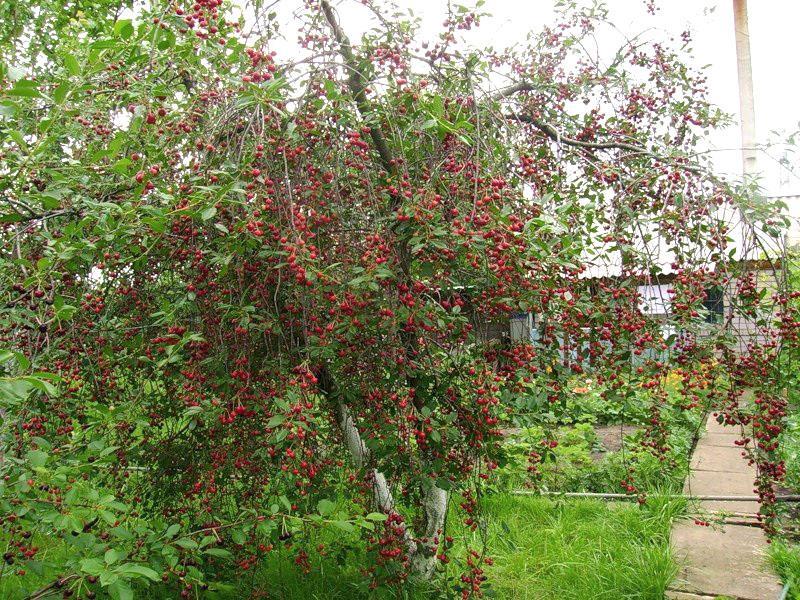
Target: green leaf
point(65, 312)
point(330, 89)
point(41, 385)
point(187, 543)
point(103, 44)
point(22, 360)
point(325, 507)
point(121, 533)
point(25, 89)
point(118, 589)
point(368, 525)
point(344, 526)
point(121, 167)
point(123, 28)
point(219, 552)
point(72, 65)
point(166, 39)
point(275, 421)
point(238, 536)
point(60, 93)
point(138, 570)
point(92, 566)
point(208, 213)
point(376, 516)
point(157, 224)
point(18, 138)
point(172, 530)
point(50, 200)
point(36, 458)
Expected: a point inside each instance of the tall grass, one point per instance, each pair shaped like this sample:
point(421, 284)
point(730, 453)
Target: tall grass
point(785, 559)
point(579, 549)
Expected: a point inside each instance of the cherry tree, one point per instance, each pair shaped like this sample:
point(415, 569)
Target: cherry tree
point(240, 287)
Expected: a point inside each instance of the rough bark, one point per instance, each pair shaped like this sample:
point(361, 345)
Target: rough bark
point(434, 506)
point(421, 548)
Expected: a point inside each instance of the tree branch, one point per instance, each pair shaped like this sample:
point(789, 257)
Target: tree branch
point(51, 587)
point(357, 83)
point(555, 135)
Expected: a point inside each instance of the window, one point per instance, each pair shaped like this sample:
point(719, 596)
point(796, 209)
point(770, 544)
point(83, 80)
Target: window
point(655, 299)
point(714, 304)
point(525, 328)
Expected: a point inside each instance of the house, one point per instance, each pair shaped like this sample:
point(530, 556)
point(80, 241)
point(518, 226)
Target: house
point(719, 307)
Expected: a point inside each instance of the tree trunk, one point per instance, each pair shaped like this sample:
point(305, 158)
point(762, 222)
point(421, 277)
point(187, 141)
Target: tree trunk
point(434, 506)
point(382, 495)
point(421, 548)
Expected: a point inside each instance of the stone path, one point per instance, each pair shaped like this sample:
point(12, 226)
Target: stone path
point(721, 560)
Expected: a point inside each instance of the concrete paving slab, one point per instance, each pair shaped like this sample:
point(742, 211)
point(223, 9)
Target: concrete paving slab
point(726, 560)
point(722, 506)
point(724, 483)
point(718, 458)
point(726, 440)
point(723, 562)
point(712, 426)
point(675, 595)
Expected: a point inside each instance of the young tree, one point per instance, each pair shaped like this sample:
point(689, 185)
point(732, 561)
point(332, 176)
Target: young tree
point(238, 286)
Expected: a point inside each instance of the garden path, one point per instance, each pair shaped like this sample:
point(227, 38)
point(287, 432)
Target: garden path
point(724, 559)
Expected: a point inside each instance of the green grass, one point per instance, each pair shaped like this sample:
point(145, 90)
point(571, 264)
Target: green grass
point(542, 549)
point(579, 549)
point(785, 559)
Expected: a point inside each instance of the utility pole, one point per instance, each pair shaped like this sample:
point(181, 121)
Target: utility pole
point(747, 112)
point(746, 105)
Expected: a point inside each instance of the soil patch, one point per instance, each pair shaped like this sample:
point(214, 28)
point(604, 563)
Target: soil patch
point(609, 438)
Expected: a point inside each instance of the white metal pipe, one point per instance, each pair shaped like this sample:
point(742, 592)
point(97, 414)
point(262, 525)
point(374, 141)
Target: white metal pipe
point(611, 496)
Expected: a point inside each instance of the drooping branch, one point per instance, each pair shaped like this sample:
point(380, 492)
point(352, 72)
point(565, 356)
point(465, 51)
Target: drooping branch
point(357, 84)
point(555, 135)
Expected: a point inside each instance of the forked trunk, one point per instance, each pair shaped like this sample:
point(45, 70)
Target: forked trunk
point(421, 548)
